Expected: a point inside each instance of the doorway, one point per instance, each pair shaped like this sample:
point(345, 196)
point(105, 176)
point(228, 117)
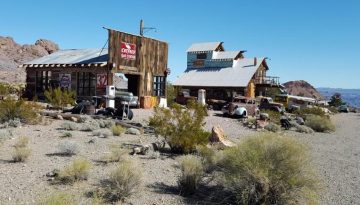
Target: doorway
point(133, 84)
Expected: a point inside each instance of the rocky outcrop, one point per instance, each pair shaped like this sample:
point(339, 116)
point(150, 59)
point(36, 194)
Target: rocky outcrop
point(12, 55)
point(302, 88)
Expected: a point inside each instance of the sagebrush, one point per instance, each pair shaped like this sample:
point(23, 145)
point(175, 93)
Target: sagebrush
point(77, 170)
point(181, 128)
point(117, 130)
point(68, 148)
point(319, 123)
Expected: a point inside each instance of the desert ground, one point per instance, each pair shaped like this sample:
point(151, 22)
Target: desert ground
point(336, 156)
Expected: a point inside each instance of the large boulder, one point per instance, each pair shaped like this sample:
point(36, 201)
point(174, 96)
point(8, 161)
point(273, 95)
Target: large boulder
point(218, 138)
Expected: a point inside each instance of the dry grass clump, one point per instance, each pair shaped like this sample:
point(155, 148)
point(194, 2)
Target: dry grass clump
point(208, 156)
point(117, 130)
point(124, 181)
point(21, 152)
point(117, 154)
point(69, 126)
point(319, 123)
point(66, 135)
point(76, 171)
point(191, 174)
point(57, 198)
point(68, 148)
point(268, 169)
point(272, 127)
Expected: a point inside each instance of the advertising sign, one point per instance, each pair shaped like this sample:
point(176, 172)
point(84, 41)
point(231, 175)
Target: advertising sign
point(65, 80)
point(101, 80)
point(128, 51)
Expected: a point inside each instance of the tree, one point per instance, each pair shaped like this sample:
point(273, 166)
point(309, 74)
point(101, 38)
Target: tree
point(336, 100)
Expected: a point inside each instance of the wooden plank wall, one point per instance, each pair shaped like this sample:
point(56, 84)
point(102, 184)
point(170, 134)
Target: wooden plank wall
point(151, 58)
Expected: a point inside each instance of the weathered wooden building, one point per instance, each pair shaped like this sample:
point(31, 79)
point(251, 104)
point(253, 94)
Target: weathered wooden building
point(224, 74)
point(141, 59)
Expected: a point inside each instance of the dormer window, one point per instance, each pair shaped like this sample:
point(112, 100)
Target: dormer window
point(201, 56)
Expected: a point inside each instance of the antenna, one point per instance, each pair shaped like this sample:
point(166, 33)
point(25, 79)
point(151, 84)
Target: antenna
point(144, 29)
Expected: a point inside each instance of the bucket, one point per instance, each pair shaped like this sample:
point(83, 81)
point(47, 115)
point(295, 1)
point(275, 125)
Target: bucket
point(89, 109)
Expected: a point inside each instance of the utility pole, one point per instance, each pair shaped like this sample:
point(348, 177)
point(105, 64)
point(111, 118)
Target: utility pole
point(142, 28)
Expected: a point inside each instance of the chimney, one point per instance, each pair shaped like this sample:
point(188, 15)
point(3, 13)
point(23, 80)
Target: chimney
point(255, 61)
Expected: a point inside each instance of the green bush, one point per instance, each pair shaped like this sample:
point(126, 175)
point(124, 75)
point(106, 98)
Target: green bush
point(182, 129)
point(60, 98)
point(209, 157)
point(273, 115)
point(191, 174)
point(319, 123)
point(77, 170)
point(304, 112)
point(124, 181)
point(11, 109)
point(117, 130)
point(268, 169)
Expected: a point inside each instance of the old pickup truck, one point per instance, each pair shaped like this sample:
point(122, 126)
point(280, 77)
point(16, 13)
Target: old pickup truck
point(183, 97)
point(267, 103)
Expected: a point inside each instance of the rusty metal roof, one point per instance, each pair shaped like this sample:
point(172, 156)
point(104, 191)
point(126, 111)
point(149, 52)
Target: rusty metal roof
point(237, 76)
point(73, 56)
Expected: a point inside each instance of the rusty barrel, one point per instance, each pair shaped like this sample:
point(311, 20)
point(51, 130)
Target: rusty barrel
point(89, 109)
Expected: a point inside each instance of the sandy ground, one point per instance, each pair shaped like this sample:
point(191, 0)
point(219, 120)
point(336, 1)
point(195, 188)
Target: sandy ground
point(336, 156)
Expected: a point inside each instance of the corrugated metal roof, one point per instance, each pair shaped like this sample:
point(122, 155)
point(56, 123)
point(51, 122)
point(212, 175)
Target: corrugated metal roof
point(237, 76)
point(225, 54)
point(208, 46)
point(73, 56)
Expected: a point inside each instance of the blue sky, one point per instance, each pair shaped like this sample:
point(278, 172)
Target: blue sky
point(317, 41)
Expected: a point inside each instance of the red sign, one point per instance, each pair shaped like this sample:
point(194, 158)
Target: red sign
point(101, 81)
point(128, 51)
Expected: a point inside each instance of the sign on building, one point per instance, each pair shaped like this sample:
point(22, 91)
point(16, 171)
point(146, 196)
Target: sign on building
point(101, 80)
point(65, 80)
point(128, 51)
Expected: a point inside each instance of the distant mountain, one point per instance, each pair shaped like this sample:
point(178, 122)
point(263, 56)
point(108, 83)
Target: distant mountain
point(302, 88)
point(12, 55)
point(351, 96)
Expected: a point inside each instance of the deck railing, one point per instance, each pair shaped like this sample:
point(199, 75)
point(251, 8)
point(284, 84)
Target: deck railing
point(267, 80)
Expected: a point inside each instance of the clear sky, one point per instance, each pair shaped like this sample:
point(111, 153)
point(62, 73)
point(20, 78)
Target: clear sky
point(313, 40)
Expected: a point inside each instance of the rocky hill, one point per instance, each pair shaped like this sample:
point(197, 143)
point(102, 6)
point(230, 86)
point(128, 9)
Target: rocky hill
point(302, 88)
point(12, 55)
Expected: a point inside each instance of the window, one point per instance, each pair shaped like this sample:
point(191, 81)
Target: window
point(201, 56)
point(86, 84)
point(42, 80)
point(159, 85)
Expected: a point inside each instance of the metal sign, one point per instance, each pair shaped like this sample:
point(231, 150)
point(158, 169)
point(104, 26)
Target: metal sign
point(101, 80)
point(65, 80)
point(128, 51)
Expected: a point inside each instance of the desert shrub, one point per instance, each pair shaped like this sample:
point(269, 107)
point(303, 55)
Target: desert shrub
point(4, 89)
point(272, 127)
point(20, 154)
point(22, 142)
point(124, 181)
point(182, 129)
point(301, 128)
point(106, 123)
point(191, 174)
point(333, 109)
point(319, 124)
point(11, 109)
point(102, 133)
point(273, 115)
point(117, 130)
point(76, 171)
point(304, 112)
point(60, 98)
point(268, 169)
point(90, 126)
point(70, 126)
point(4, 135)
point(57, 198)
point(84, 118)
point(208, 156)
point(66, 135)
point(117, 154)
point(68, 148)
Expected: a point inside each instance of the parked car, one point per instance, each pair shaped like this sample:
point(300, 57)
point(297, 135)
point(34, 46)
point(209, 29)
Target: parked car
point(214, 104)
point(267, 103)
point(241, 107)
point(343, 108)
point(183, 97)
